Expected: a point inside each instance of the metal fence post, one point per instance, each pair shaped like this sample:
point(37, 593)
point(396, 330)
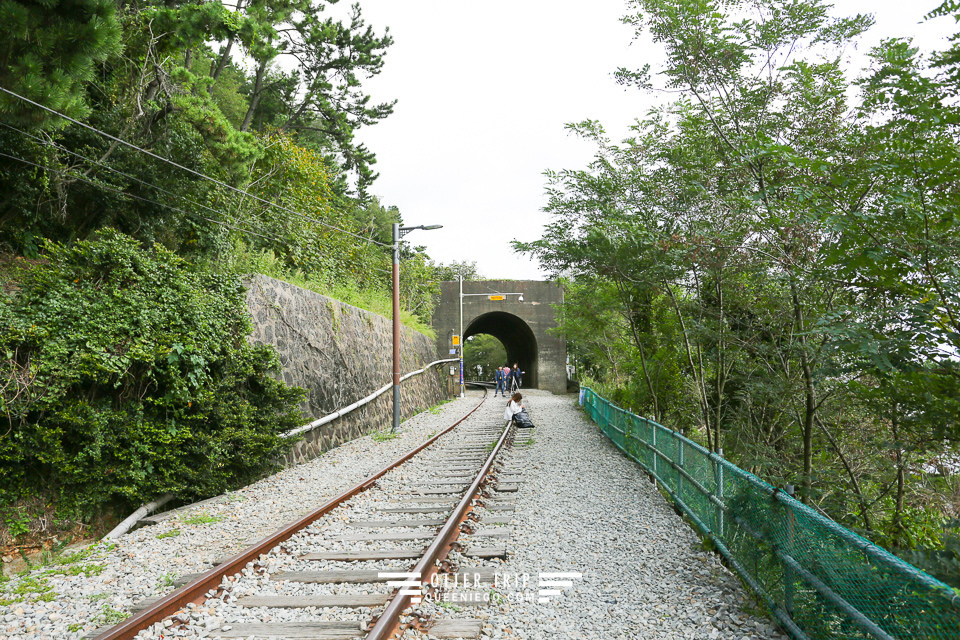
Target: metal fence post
point(653, 442)
point(788, 575)
point(680, 466)
point(718, 476)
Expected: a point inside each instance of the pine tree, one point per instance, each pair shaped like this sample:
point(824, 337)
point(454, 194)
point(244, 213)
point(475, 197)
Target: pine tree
point(48, 51)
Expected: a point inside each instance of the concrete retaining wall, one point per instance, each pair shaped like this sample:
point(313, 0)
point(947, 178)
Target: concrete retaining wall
point(340, 354)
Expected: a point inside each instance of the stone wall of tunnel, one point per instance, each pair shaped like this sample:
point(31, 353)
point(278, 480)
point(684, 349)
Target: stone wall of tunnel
point(522, 327)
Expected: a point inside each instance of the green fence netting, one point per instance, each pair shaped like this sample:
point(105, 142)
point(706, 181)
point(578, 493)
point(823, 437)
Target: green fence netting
point(818, 578)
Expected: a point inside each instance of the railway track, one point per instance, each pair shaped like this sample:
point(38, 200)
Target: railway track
point(353, 567)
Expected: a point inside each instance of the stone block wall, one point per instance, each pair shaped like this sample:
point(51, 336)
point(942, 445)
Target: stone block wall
point(340, 354)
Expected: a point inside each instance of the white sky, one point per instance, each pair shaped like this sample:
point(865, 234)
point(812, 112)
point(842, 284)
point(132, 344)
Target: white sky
point(484, 91)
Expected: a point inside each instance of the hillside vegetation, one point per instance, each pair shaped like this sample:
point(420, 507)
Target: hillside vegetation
point(151, 154)
point(769, 262)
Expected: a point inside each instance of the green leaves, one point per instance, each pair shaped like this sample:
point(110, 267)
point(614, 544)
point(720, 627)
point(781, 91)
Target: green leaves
point(133, 378)
point(793, 258)
point(49, 52)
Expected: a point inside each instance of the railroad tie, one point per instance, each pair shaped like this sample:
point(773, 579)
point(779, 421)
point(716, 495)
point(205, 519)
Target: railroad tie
point(295, 630)
point(300, 602)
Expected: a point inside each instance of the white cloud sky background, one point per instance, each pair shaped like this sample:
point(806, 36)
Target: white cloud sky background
point(484, 91)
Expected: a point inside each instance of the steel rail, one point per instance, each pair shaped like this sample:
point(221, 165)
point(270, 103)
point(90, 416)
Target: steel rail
point(195, 590)
point(389, 621)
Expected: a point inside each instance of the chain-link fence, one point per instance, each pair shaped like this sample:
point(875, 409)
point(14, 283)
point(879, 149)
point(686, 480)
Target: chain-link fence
point(818, 578)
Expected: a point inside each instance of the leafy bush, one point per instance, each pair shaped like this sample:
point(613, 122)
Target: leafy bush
point(126, 374)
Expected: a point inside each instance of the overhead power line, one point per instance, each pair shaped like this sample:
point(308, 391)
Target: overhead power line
point(64, 172)
point(59, 147)
point(187, 169)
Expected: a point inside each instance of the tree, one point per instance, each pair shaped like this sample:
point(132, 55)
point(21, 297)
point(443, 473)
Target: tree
point(775, 115)
point(48, 54)
point(805, 248)
point(322, 99)
point(485, 351)
point(456, 270)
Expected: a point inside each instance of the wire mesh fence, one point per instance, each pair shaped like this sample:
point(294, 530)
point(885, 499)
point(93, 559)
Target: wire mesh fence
point(819, 579)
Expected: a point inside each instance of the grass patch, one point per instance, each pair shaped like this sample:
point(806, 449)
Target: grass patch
point(372, 300)
point(27, 589)
point(173, 533)
point(201, 518)
point(109, 615)
point(167, 580)
point(86, 569)
point(72, 557)
point(437, 408)
point(383, 436)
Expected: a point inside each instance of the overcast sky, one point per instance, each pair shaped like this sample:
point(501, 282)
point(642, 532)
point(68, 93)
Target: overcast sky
point(484, 90)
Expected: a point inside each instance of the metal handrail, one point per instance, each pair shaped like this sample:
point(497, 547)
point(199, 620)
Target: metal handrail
point(319, 422)
point(195, 590)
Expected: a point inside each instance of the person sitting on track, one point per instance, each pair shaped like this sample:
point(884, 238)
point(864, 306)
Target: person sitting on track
point(513, 407)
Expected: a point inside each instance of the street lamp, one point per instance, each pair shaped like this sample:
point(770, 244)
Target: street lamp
point(493, 296)
point(399, 232)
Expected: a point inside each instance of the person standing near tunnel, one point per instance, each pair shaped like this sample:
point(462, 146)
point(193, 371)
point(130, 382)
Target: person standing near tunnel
point(498, 378)
point(517, 375)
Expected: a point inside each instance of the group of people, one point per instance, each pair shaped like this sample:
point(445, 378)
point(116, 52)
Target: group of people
point(507, 379)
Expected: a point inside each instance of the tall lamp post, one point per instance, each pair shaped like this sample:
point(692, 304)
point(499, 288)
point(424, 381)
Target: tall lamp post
point(492, 296)
point(399, 232)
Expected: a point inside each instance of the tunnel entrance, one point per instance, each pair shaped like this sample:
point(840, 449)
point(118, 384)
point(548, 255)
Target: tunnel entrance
point(519, 313)
point(517, 339)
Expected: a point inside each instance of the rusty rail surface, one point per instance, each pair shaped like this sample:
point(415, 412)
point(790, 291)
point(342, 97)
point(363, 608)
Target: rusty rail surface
point(195, 591)
point(389, 621)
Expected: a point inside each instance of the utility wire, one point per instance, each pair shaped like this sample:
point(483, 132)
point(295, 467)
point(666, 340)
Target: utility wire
point(187, 169)
point(64, 172)
point(108, 168)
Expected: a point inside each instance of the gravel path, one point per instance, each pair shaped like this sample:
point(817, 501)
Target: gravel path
point(585, 508)
point(582, 508)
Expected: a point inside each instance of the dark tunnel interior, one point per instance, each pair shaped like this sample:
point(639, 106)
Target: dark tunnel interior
point(517, 338)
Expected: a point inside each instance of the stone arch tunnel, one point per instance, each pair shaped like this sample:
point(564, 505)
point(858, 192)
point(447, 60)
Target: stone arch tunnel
point(517, 338)
point(522, 327)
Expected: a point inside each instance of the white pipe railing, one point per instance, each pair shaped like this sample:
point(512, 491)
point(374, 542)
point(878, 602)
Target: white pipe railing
point(359, 403)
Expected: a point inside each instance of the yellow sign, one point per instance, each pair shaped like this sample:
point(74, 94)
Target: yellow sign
point(456, 340)
point(498, 297)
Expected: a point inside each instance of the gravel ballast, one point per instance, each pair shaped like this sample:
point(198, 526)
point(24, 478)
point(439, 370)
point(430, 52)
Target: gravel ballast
point(581, 508)
point(585, 508)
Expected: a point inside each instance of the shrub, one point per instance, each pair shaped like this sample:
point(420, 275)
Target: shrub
point(127, 374)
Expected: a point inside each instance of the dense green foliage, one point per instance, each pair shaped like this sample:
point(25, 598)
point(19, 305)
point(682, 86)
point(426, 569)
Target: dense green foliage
point(127, 374)
point(769, 263)
point(485, 351)
point(265, 161)
point(206, 141)
point(50, 51)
